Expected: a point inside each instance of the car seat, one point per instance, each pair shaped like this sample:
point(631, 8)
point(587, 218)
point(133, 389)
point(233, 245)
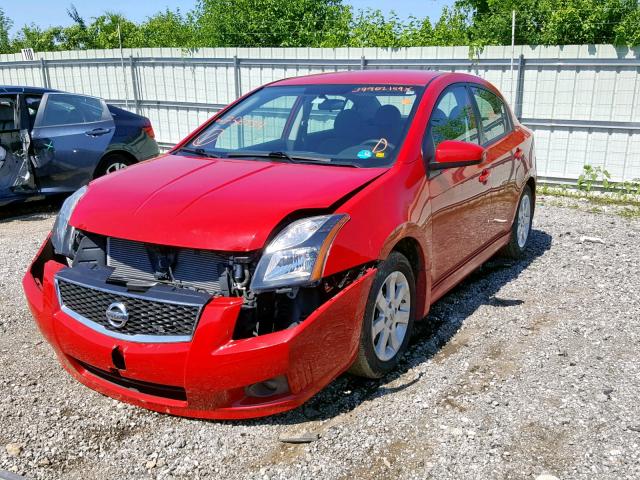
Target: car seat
point(347, 132)
point(388, 123)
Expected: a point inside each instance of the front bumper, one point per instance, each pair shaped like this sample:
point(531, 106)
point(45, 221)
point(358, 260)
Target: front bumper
point(205, 377)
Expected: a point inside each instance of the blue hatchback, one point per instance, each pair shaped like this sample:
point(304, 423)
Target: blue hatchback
point(55, 142)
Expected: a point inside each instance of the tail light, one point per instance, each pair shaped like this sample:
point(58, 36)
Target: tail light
point(149, 130)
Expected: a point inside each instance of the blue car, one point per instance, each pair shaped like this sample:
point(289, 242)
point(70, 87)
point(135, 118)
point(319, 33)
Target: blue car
point(54, 142)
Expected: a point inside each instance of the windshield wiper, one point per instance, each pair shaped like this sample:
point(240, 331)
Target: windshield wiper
point(274, 155)
point(290, 158)
point(201, 152)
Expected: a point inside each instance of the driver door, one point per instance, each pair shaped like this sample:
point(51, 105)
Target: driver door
point(70, 135)
point(460, 196)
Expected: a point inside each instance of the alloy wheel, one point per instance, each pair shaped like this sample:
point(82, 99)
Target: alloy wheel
point(524, 220)
point(391, 316)
point(114, 167)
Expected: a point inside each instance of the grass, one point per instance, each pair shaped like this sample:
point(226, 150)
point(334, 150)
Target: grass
point(595, 187)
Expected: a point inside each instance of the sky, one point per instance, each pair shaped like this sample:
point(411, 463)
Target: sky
point(46, 13)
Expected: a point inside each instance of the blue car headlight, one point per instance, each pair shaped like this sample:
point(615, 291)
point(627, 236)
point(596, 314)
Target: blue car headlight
point(63, 234)
point(297, 255)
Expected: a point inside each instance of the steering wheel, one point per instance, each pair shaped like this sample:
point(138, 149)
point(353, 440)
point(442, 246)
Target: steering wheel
point(375, 141)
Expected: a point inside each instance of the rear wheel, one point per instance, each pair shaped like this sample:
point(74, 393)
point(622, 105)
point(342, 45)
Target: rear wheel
point(388, 321)
point(521, 227)
point(112, 163)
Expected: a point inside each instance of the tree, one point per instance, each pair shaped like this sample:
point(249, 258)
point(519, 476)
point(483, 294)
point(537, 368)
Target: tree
point(268, 23)
point(332, 23)
point(168, 29)
point(5, 26)
point(550, 22)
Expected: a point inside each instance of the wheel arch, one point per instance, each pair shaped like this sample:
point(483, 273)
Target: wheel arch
point(411, 248)
point(531, 182)
point(111, 153)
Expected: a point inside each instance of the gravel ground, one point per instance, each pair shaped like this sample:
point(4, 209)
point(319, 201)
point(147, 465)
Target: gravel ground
point(525, 369)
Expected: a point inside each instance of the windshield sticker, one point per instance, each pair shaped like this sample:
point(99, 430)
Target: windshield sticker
point(364, 154)
point(379, 154)
point(403, 89)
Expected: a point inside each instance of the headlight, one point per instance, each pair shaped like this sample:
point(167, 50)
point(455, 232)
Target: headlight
point(63, 235)
point(296, 256)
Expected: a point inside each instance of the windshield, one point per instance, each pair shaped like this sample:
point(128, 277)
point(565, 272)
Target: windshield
point(347, 125)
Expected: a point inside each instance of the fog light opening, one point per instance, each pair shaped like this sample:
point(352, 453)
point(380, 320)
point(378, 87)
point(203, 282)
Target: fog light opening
point(268, 388)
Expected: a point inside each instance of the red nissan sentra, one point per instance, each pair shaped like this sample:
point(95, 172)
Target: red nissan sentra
point(296, 235)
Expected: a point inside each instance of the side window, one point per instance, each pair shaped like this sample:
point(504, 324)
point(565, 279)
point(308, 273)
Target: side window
point(493, 114)
point(64, 109)
point(264, 124)
point(453, 118)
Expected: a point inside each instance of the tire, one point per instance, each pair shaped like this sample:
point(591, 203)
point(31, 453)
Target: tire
point(111, 163)
point(375, 356)
point(521, 228)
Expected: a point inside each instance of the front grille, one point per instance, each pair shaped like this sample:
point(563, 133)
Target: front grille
point(200, 269)
point(166, 391)
point(146, 317)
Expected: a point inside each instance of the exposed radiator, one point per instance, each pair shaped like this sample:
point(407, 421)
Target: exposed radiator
point(199, 269)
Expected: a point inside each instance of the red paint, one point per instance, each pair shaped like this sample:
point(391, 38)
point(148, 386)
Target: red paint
point(235, 205)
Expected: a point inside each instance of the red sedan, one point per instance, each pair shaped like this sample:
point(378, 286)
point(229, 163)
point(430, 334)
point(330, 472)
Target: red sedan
point(296, 235)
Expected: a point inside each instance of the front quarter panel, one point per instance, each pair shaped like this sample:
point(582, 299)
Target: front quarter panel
point(393, 207)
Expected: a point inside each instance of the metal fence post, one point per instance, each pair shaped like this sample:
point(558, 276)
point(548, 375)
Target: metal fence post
point(44, 73)
point(520, 86)
point(236, 76)
point(134, 84)
point(363, 63)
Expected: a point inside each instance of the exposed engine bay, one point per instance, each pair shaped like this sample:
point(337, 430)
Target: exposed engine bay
point(140, 266)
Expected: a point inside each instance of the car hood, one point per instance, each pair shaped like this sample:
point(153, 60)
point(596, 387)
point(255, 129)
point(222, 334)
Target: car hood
point(230, 205)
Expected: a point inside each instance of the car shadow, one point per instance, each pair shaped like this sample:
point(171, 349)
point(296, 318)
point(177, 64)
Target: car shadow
point(430, 336)
point(31, 211)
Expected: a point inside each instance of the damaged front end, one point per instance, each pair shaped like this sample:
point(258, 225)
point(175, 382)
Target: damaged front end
point(194, 332)
point(279, 287)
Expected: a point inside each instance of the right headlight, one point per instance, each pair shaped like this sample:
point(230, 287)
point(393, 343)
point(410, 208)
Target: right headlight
point(63, 234)
point(297, 255)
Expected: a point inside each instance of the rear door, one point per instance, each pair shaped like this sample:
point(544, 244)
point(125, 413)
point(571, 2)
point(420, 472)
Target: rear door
point(461, 204)
point(70, 135)
point(500, 140)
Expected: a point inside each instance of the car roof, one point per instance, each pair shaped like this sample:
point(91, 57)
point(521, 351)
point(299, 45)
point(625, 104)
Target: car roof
point(384, 77)
point(22, 89)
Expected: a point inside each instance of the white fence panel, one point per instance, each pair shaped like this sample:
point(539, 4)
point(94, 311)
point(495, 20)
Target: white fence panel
point(582, 101)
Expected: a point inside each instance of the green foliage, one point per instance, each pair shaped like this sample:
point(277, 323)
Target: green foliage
point(332, 23)
point(554, 22)
point(268, 23)
point(5, 26)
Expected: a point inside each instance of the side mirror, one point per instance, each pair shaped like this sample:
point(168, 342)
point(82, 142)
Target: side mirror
point(452, 153)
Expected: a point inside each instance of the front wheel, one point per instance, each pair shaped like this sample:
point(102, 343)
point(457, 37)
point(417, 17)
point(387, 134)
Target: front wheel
point(388, 321)
point(521, 227)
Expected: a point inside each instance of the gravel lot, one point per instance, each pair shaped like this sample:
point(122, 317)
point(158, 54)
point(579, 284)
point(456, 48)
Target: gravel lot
point(525, 369)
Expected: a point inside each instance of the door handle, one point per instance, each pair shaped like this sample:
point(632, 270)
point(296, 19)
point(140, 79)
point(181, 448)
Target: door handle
point(97, 132)
point(484, 175)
